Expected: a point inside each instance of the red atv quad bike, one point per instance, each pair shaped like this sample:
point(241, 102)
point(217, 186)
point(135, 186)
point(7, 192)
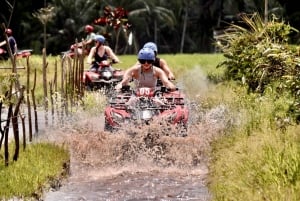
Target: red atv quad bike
point(3, 54)
point(23, 53)
point(71, 53)
point(105, 77)
point(20, 54)
point(142, 106)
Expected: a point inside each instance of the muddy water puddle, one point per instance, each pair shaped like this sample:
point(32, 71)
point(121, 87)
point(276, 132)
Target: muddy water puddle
point(133, 185)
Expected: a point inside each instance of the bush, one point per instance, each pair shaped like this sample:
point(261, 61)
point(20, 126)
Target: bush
point(260, 57)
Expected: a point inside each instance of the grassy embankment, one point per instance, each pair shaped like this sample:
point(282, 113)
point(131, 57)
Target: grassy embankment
point(39, 167)
point(253, 160)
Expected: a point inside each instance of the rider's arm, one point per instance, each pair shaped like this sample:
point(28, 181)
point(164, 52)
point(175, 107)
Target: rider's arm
point(89, 38)
point(129, 73)
point(111, 54)
point(165, 67)
point(2, 43)
point(163, 77)
point(91, 55)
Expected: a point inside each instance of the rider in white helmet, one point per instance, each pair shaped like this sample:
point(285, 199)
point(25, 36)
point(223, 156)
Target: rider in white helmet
point(159, 62)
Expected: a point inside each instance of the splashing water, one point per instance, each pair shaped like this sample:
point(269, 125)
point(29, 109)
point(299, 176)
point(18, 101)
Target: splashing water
point(147, 163)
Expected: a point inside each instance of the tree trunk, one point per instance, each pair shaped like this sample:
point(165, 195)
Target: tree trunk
point(266, 11)
point(184, 29)
point(45, 86)
point(155, 31)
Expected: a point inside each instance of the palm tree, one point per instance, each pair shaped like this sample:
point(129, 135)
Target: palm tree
point(155, 16)
point(147, 19)
point(68, 24)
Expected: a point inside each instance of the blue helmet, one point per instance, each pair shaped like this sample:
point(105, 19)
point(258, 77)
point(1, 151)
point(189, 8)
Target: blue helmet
point(100, 39)
point(152, 46)
point(146, 54)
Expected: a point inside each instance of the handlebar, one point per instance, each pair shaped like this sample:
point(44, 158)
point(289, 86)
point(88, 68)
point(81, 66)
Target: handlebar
point(163, 89)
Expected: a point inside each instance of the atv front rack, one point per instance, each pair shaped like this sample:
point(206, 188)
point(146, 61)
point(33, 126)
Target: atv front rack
point(119, 102)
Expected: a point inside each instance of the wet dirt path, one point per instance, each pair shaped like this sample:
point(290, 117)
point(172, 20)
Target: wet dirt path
point(130, 185)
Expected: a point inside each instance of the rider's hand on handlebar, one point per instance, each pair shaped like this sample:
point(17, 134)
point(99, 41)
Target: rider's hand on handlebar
point(118, 87)
point(115, 61)
point(171, 77)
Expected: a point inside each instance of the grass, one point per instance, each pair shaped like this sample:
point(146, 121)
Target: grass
point(39, 167)
point(179, 63)
point(257, 159)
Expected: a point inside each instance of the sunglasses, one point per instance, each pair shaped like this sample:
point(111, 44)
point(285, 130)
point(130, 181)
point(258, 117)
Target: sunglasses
point(143, 61)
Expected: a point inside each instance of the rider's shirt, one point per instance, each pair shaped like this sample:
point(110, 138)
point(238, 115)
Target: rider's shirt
point(90, 36)
point(99, 58)
point(13, 44)
point(146, 79)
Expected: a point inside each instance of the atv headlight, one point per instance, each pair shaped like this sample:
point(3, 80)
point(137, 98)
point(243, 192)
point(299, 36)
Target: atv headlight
point(146, 114)
point(106, 75)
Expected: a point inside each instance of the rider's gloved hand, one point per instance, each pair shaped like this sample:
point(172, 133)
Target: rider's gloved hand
point(118, 87)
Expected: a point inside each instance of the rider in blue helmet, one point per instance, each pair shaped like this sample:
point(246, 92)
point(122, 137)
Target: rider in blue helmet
point(100, 52)
point(159, 62)
point(152, 46)
point(146, 54)
point(100, 39)
point(145, 74)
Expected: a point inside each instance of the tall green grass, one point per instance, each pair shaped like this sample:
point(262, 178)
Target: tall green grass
point(39, 167)
point(180, 63)
point(259, 158)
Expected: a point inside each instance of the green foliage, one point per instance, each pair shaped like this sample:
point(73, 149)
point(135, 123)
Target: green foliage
point(7, 80)
point(5, 83)
point(269, 169)
point(259, 57)
point(95, 102)
point(256, 54)
point(39, 164)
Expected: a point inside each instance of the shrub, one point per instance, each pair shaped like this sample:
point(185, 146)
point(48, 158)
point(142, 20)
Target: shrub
point(260, 57)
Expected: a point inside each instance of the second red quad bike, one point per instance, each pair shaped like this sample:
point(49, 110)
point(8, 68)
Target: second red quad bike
point(20, 54)
point(105, 77)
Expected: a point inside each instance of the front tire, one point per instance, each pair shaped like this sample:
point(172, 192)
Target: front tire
point(89, 86)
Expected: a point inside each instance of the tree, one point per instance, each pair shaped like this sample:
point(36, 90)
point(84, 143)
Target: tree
point(155, 16)
point(115, 19)
point(69, 22)
point(189, 23)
